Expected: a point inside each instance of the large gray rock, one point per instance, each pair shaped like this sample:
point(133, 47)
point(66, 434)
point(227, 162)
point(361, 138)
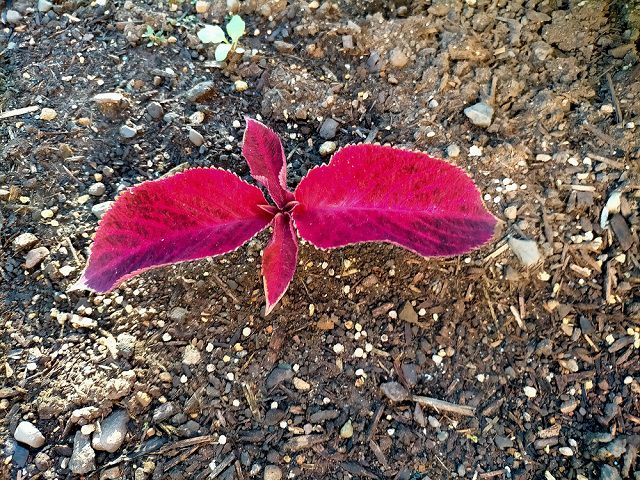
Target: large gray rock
point(112, 431)
point(83, 458)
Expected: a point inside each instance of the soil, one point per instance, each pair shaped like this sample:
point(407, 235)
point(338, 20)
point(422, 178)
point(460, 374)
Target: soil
point(546, 354)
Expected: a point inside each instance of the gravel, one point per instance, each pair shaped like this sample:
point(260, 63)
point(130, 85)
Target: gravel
point(99, 209)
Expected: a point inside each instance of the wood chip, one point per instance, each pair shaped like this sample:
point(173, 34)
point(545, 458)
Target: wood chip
point(19, 111)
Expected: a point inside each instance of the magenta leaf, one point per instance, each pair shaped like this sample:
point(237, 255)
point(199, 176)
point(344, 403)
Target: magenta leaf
point(375, 193)
point(279, 260)
point(263, 151)
point(198, 213)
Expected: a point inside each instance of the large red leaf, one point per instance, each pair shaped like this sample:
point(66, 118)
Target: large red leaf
point(263, 151)
point(279, 260)
point(369, 192)
point(198, 213)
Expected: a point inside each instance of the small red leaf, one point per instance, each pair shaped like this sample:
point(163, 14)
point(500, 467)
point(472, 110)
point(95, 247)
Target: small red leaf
point(263, 151)
point(374, 193)
point(279, 260)
point(194, 214)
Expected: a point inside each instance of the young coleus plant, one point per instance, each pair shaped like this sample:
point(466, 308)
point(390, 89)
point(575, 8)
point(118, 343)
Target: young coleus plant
point(367, 193)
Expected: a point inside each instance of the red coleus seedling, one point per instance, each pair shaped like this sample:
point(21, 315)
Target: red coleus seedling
point(366, 193)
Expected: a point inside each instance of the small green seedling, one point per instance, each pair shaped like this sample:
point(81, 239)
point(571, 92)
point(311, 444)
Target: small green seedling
point(154, 38)
point(215, 34)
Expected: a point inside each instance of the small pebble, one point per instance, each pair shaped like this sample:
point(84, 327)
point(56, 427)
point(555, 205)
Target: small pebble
point(99, 209)
point(453, 150)
point(475, 151)
point(83, 458)
point(13, 16)
point(44, 6)
point(566, 451)
point(329, 128)
point(327, 148)
point(155, 110)
point(347, 430)
point(47, 213)
point(27, 432)
point(127, 131)
point(195, 137)
point(526, 251)
point(35, 257)
point(480, 114)
point(530, 392)
point(97, 189)
point(511, 212)
point(272, 472)
point(48, 114)
point(191, 355)
point(24, 241)
point(240, 86)
point(112, 432)
point(398, 58)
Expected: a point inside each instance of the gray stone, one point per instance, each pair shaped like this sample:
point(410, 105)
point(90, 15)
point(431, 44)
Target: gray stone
point(272, 472)
point(155, 110)
point(24, 241)
point(112, 432)
point(83, 458)
point(201, 91)
point(164, 411)
point(127, 131)
point(35, 256)
point(177, 314)
point(526, 251)
point(13, 16)
point(99, 209)
point(195, 137)
point(480, 114)
point(277, 376)
point(614, 449)
point(27, 432)
point(394, 391)
point(398, 58)
point(503, 442)
point(44, 6)
point(284, 47)
point(541, 50)
point(607, 472)
point(97, 189)
point(347, 42)
point(453, 150)
point(329, 128)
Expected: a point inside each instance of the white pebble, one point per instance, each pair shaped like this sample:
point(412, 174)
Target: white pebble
point(530, 392)
point(475, 151)
point(338, 348)
point(222, 439)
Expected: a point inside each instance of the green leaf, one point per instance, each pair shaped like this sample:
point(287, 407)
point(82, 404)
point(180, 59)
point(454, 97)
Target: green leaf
point(211, 34)
point(149, 31)
point(222, 51)
point(235, 28)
